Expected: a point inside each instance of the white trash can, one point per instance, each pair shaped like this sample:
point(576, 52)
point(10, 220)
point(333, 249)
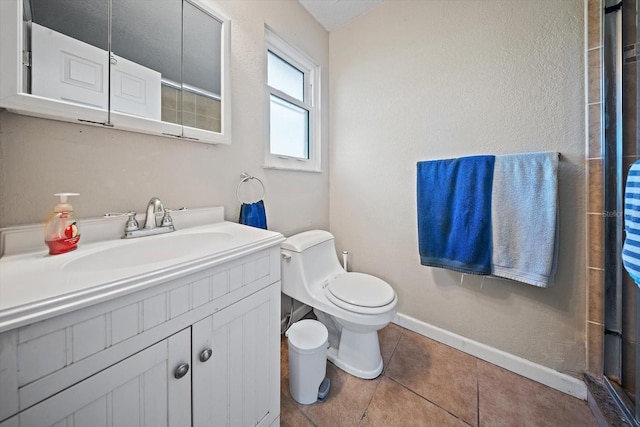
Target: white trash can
point(308, 342)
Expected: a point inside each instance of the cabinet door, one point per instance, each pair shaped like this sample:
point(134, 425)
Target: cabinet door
point(139, 391)
point(67, 69)
point(240, 384)
point(135, 89)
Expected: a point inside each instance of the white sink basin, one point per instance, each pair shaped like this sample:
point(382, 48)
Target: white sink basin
point(149, 250)
point(36, 286)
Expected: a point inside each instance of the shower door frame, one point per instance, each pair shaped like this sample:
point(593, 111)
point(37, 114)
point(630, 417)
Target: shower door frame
point(614, 175)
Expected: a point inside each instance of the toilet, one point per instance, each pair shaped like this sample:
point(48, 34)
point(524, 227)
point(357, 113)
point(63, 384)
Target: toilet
point(353, 306)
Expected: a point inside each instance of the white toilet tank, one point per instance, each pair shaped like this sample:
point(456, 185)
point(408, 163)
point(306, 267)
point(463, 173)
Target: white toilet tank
point(313, 260)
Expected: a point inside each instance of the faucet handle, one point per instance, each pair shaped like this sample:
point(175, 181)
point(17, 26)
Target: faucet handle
point(132, 222)
point(167, 221)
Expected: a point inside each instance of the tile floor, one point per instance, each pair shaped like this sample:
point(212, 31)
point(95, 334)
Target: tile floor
point(425, 383)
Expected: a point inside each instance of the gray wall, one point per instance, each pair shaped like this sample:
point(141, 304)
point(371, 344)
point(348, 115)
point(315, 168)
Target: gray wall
point(446, 79)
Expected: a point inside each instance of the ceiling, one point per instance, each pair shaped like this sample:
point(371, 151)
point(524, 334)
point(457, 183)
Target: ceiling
point(333, 14)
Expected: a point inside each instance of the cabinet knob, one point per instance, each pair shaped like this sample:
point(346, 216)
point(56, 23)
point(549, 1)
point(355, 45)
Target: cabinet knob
point(205, 354)
point(181, 370)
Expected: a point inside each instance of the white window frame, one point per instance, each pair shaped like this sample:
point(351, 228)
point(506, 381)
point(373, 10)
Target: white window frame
point(311, 71)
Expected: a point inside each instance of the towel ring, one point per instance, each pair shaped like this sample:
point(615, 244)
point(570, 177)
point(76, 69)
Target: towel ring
point(245, 177)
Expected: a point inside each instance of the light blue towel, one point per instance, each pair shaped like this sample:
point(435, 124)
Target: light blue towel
point(631, 247)
point(454, 213)
point(524, 211)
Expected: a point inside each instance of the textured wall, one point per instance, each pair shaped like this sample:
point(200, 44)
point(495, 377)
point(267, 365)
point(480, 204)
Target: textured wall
point(119, 171)
point(419, 80)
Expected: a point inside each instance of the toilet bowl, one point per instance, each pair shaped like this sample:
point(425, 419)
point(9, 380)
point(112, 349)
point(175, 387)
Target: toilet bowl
point(353, 306)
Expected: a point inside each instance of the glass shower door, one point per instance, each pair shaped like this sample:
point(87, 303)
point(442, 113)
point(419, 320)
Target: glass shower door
point(621, 79)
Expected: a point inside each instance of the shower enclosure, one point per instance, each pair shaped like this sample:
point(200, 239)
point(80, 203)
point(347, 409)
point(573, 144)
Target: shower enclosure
point(619, 151)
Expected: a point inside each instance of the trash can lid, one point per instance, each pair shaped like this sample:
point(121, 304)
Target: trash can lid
point(307, 335)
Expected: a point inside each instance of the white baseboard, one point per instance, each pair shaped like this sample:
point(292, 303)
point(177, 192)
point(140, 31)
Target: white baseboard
point(547, 376)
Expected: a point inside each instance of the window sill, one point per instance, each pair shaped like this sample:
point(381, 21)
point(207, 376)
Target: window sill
point(292, 169)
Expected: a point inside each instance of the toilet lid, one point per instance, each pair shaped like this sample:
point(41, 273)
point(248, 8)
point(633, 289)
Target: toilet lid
point(362, 290)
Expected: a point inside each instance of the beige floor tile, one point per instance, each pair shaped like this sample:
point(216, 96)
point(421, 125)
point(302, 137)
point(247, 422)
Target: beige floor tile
point(441, 374)
point(284, 367)
point(389, 337)
point(347, 401)
point(290, 415)
point(395, 406)
point(426, 383)
point(507, 399)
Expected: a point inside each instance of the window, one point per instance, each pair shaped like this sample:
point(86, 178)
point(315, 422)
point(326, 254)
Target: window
point(293, 93)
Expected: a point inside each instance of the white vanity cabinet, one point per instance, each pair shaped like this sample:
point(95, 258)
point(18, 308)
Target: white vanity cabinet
point(235, 386)
point(139, 391)
point(123, 362)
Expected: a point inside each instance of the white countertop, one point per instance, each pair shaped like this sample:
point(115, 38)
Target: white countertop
point(35, 285)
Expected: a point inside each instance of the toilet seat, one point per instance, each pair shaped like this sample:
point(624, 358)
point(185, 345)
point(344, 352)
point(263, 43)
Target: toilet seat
point(361, 293)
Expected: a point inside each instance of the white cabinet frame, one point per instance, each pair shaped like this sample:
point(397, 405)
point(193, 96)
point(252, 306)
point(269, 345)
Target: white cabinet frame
point(14, 99)
point(12, 76)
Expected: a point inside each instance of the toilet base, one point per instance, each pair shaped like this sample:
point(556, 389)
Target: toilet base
point(332, 355)
point(358, 354)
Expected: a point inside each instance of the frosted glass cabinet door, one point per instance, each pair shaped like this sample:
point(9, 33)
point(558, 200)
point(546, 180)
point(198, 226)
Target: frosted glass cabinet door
point(139, 391)
point(238, 385)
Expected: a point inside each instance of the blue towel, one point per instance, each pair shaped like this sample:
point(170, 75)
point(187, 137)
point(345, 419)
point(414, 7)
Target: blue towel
point(253, 214)
point(454, 213)
point(631, 247)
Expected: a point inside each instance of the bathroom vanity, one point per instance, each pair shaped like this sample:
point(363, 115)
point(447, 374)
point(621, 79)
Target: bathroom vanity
point(177, 329)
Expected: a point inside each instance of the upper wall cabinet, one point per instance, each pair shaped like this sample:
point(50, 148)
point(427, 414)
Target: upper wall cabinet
point(158, 67)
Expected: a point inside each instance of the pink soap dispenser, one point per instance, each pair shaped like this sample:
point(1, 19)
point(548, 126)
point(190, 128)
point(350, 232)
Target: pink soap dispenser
point(61, 232)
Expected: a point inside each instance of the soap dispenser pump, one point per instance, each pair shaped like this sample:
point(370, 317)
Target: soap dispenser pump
point(61, 231)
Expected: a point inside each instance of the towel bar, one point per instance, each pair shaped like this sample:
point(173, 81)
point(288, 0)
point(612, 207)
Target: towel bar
point(245, 177)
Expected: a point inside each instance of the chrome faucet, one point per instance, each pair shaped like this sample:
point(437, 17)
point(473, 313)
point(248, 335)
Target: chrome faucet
point(150, 227)
point(154, 207)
